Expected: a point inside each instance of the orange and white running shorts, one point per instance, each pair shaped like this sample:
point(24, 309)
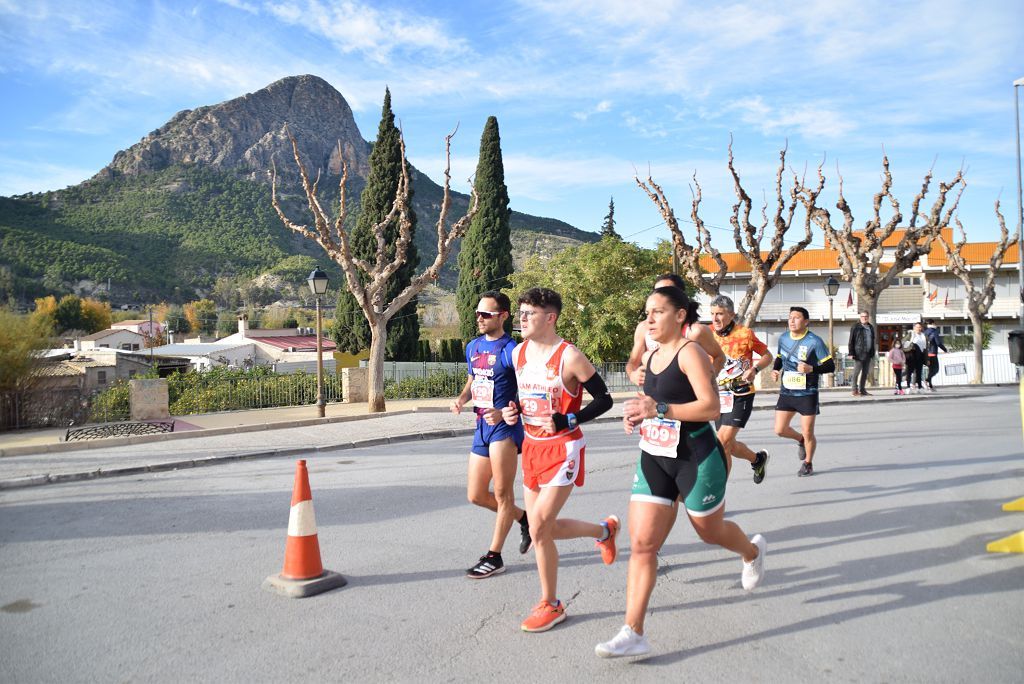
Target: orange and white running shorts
point(553, 463)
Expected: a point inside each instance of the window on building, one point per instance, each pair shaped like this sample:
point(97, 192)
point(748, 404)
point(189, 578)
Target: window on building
point(946, 330)
point(101, 377)
point(104, 346)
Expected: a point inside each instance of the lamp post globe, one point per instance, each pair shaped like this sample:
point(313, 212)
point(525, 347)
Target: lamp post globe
point(317, 281)
point(831, 286)
point(318, 284)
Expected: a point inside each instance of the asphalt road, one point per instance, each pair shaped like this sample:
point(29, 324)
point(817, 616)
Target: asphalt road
point(876, 567)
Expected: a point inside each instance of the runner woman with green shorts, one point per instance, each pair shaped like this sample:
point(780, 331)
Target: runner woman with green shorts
point(681, 459)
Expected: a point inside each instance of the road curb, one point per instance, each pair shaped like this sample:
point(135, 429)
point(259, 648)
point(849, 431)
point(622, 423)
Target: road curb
point(59, 478)
point(27, 481)
point(62, 447)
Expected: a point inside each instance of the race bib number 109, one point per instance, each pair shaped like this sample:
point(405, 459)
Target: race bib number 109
point(660, 436)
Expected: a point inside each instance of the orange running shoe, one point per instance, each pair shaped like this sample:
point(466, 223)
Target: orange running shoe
point(544, 616)
point(608, 549)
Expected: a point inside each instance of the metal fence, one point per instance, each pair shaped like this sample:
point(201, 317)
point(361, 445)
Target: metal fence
point(42, 408)
point(955, 368)
point(193, 393)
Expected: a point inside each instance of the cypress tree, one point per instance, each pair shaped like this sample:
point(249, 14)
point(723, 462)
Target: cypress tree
point(351, 331)
point(608, 227)
point(485, 258)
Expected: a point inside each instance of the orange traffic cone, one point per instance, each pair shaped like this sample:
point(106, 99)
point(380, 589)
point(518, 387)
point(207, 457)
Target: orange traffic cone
point(303, 573)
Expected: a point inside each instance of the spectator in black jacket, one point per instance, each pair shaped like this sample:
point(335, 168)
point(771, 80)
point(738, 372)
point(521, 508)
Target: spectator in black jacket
point(862, 348)
point(934, 339)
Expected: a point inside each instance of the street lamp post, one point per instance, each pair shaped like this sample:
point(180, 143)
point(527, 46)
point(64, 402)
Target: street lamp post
point(831, 290)
point(1020, 209)
point(318, 284)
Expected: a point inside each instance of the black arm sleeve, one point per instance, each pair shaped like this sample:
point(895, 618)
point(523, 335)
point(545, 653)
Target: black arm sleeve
point(602, 401)
point(777, 364)
point(827, 367)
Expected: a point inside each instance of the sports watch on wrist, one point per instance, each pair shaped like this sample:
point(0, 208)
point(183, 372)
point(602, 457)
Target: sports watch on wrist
point(662, 408)
point(572, 421)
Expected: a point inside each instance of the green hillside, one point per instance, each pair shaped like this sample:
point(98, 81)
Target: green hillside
point(169, 234)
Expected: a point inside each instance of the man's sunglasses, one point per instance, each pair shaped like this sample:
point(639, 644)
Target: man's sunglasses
point(488, 315)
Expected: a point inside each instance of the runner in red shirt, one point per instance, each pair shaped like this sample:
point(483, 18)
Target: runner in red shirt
point(551, 375)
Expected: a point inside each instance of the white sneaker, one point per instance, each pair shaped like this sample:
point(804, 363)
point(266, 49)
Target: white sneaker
point(625, 643)
point(754, 570)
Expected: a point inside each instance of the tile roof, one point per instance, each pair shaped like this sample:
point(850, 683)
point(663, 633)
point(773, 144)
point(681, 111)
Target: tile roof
point(828, 259)
point(974, 253)
point(299, 342)
point(195, 348)
point(59, 370)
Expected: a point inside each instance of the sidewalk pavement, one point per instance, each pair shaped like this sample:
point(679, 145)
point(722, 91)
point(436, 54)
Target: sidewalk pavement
point(37, 457)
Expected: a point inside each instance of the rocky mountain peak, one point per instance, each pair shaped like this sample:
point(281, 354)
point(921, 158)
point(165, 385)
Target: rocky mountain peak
point(248, 132)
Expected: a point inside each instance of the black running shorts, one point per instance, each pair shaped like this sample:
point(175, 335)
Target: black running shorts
point(806, 405)
point(740, 414)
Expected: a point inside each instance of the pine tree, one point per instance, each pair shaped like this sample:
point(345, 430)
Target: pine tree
point(351, 331)
point(485, 258)
point(608, 227)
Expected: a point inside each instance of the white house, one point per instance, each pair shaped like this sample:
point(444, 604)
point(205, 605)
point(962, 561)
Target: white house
point(927, 290)
point(113, 338)
point(141, 326)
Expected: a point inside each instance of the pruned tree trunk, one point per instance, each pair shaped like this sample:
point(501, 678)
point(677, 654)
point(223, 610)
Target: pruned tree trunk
point(978, 322)
point(979, 296)
point(861, 252)
point(375, 380)
point(751, 304)
point(333, 237)
point(765, 265)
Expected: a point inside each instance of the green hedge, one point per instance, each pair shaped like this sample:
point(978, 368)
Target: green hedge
point(436, 384)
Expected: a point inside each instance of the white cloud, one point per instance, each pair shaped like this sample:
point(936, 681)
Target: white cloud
point(353, 26)
point(600, 108)
point(810, 120)
point(241, 5)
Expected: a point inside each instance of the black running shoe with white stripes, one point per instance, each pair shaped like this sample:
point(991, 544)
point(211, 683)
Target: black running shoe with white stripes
point(489, 564)
point(525, 541)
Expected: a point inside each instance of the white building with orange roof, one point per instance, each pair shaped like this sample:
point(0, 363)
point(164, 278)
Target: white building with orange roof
point(927, 290)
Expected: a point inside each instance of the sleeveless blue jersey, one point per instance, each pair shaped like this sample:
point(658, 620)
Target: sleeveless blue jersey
point(810, 349)
point(492, 360)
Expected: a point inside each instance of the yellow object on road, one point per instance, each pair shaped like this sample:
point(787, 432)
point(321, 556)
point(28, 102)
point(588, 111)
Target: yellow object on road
point(1012, 544)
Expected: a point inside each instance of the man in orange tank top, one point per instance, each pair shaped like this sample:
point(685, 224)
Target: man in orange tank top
point(551, 375)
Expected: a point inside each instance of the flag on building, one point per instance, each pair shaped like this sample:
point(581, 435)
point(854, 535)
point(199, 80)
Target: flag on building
point(946, 303)
point(934, 294)
point(849, 298)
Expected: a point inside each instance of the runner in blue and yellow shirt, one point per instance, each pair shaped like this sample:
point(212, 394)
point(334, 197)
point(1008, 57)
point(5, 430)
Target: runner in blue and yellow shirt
point(803, 357)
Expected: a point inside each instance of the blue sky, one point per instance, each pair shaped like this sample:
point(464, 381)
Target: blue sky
point(586, 92)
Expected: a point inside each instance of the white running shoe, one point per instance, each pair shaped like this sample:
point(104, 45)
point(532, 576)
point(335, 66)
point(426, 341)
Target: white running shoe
point(625, 643)
point(754, 570)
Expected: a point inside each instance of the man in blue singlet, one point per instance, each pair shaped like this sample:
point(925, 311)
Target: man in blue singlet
point(496, 445)
point(803, 357)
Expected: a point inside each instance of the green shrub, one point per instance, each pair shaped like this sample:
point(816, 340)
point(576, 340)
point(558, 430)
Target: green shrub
point(436, 384)
point(111, 405)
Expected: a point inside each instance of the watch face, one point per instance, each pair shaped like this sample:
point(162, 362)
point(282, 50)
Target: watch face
point(662, 408)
